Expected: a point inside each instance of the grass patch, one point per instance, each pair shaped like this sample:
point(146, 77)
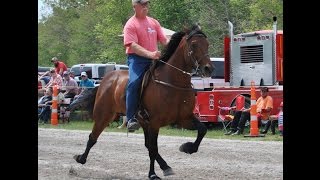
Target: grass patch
point(216, 132)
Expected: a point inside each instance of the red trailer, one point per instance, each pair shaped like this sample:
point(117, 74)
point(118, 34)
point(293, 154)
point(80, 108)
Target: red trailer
point(254, 56)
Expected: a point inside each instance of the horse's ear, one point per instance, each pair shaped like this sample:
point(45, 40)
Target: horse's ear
point(185, 29)
point(198, 26)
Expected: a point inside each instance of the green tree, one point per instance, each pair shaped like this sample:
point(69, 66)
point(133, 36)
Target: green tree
point(83, 31)
point(262, 12)
point(109, 29)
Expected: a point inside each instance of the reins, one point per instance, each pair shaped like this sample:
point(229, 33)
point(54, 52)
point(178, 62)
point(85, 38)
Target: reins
point(185, 72)
point(171, 85)
point(193, 59)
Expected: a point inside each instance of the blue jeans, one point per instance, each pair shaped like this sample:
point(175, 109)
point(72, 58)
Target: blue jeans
point(45, 114)
point(137, 67)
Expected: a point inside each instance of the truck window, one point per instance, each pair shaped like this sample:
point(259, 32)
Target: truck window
point(124, 68)
point(77, 70)
point(109, 68)
point(218, 73)
point(101, 71)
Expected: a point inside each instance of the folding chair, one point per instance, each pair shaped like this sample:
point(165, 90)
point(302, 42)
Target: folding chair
point(225, 117)
point(225, 113)
point(64, 113)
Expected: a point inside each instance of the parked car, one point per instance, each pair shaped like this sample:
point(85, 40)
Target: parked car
point(42, 69)
point(95, 72)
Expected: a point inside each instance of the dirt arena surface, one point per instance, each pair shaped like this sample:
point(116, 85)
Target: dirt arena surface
point(118, 157)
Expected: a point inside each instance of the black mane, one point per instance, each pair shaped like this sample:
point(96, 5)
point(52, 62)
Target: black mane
point(174, 42)
point(171, 47)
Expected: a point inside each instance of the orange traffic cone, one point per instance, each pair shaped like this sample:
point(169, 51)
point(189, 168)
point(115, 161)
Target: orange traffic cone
point(54, 107)
point(254, 130)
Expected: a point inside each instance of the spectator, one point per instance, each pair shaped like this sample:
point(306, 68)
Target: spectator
point(272, 122)
point(55, 79)
point(71, 86)
point(60, 67)
point(280, 119)
point(45, 77)
point(71, 74)
point(264, 107)
point(85, 83)
point(44, 106)
point(141, 34)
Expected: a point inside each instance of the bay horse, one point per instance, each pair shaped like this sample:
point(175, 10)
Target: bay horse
point(167, 98)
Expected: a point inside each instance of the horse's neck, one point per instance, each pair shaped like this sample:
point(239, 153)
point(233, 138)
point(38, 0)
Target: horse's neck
point(174, 75)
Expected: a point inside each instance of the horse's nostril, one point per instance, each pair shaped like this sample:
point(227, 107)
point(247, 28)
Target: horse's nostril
point(208, 69)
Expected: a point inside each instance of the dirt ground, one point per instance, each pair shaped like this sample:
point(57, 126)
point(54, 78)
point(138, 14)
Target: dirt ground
point(118, 157)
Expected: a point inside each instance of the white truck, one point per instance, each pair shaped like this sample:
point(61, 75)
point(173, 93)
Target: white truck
point(95, 71)
point(216, 79)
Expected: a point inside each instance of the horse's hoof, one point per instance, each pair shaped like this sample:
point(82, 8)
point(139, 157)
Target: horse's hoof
point(79, 160)
point(168, 172)
point(154, 177)
point(187, 148)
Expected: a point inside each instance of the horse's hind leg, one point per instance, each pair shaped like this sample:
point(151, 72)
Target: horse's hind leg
point(99, 125)
point(167, 170)
point(190, 147)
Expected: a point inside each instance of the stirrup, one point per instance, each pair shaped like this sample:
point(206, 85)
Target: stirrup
point(143, 114)
point(133, 127)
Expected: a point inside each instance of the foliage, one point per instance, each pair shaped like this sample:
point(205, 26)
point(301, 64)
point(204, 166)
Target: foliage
point(83, 31)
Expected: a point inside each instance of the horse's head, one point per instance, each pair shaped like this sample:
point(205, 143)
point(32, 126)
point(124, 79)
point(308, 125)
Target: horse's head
point(197, 54)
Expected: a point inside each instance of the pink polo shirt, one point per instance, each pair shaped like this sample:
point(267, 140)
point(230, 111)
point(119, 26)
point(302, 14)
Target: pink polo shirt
point(145, 32)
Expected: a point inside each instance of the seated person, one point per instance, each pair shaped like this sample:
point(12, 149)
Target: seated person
point(240, 102)
point(264, 107)
point(280, 119)
point(45, 78)
point(55, 79)
point(272, 122)
point(70, 85)
point(85, 83)
point(44, 106)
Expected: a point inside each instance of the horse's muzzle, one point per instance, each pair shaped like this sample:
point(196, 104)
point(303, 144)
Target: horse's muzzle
point(207, 70)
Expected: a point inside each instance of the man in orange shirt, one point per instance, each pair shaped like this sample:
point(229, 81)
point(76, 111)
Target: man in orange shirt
point(264, 104)
point(264, 107)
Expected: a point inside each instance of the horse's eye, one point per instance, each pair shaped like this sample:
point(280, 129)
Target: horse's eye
point(194, 45)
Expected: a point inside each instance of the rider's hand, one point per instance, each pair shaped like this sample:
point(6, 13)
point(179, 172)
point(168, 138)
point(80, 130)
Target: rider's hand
point(155, 55)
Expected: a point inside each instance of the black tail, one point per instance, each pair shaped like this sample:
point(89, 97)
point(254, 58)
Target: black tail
point(85, 101)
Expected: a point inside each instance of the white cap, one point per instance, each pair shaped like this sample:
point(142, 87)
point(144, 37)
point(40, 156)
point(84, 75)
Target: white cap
point(84, 74)
point(139, 1)
point(54, 59)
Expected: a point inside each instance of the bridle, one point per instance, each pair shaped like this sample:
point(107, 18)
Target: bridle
point(195, 61)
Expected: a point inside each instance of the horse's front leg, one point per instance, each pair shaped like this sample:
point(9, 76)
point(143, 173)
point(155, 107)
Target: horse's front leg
point(167, 170)
point(190, 147)
point(153, 151)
